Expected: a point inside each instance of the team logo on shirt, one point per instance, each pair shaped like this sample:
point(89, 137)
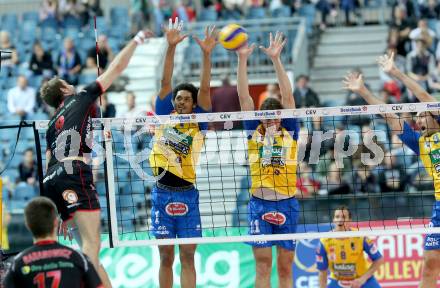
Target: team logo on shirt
point(176, 209)
point(59, 124)
point(274, 217)
point(70, 196)
point(25, 270)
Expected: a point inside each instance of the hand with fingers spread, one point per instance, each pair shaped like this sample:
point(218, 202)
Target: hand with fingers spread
point(210, 41)
point(245, 51)
point(172, 33)
point(275, 45)
point(354, 82)
point(64, 230)
point(386, 63)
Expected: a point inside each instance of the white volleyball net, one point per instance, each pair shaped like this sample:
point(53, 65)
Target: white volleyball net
point(346, 156)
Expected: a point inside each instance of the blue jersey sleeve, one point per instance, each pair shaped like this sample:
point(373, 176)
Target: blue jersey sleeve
point(371, 249)
point(250, 126)
point(410, 138)
point(321, 257)
point(291, 125)
point(165, 106)
point(203, 126)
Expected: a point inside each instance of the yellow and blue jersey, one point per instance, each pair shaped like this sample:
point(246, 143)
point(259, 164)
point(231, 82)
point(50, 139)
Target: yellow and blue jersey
point(428, 149)
point(273, 160)
point(177, 146)
point(344, 257)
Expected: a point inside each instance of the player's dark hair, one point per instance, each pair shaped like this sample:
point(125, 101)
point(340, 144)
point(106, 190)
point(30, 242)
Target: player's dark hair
point(51, 92)
point(39, 215)
point(342, 208)
point(271, 104)
point(187, 87)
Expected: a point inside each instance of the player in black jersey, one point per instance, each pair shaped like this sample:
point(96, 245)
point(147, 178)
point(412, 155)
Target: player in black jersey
point(68, 180)
point(48, 263)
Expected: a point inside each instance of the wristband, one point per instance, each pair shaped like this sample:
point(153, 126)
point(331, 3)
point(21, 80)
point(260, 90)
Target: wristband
point(140, 37)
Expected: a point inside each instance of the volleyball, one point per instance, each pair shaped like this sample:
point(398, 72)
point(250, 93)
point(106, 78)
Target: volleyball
point(232, 37)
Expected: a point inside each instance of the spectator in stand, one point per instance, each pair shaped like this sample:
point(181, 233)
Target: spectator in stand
point(8, 60)
point(272, 91)
point(401, 26)
point(93, 8)
point(108, 109)
point(69, 62)
point(304, 95)
point(334, 182)
point(41, 61)
point(411, 12)
point(72, 8)
point(21, 98)
point(363, 180)
point(27, 169)
point(132, 110)
point(139, 11)
point(232, 9)
point(390, 178)
point(422, 32)
point(430, 10)
point(105, 53)
point(184, 11)
point(49, 10)
point(434, 79)
point(420, 63)
point(348, 6)
point(225, 99)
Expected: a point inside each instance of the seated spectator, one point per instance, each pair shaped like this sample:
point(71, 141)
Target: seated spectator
point(364, 181)
point(225, 99)
point(272, 91)
point(28, 168)
point(184, 11)
point(49, 10)
point(69, 62)
point(430, 10)
point(305, 182)
point(105, 54)
point(9, 60)
point(389, 177)
point(411, 12)
point(139, 12)
point(422, 32)
point(93, 8)
point(334, 182)
point(304, 95)
point(108, 109)
point(232, 9)
point(434, 79)
point(41, 61)
point(420, 63)
point(132, 111)
point(401, 26)
point(21, 98)
point(72, 8)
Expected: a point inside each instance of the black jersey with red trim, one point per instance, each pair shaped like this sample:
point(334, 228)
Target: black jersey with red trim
point(50, 264)
point(70, 130)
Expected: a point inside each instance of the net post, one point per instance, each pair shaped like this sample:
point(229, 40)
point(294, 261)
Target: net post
point(110, 187)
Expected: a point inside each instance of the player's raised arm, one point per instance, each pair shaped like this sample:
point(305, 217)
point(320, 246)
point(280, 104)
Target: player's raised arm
point(355, 83)
point(246, 102)
point(276, 45)
point(173, 36)
point(207, 45)
point(118, 65)
point(386, 63)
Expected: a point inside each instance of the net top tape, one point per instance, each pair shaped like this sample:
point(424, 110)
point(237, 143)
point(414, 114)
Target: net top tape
point(261, 115)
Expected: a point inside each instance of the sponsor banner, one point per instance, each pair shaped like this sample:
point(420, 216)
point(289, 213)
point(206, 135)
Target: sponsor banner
point(232, 264)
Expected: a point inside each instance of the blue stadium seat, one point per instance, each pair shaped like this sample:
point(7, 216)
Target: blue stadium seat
point(309, 12)
point(50, 23)
point(256, 13)
point(283, 11)
point(24, 192)
point(119, 14)
point(31, 16)
point(11, 174)
point(10, 22)
point(208, 14)
point(86, 78)
point(71, 22)
point(124, 201)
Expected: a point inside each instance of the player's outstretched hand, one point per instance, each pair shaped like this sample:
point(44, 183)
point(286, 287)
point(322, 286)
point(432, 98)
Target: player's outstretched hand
point(246, 50)
point(172, 32)
point(208, 44)
point(386, 63)
point(275, 45)
point(353, 82)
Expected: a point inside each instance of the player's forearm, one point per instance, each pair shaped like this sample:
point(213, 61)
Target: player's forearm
point(373, 268)
point(368, 96)
point(204, 97)
point(242, 79)
point(322, 279)
point(413, 86)
point(167, 73)
point(286, 90)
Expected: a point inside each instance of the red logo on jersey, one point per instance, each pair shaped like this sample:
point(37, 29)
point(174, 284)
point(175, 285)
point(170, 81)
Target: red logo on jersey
point(60, 123)
point(176, 209)
point(276, 218)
